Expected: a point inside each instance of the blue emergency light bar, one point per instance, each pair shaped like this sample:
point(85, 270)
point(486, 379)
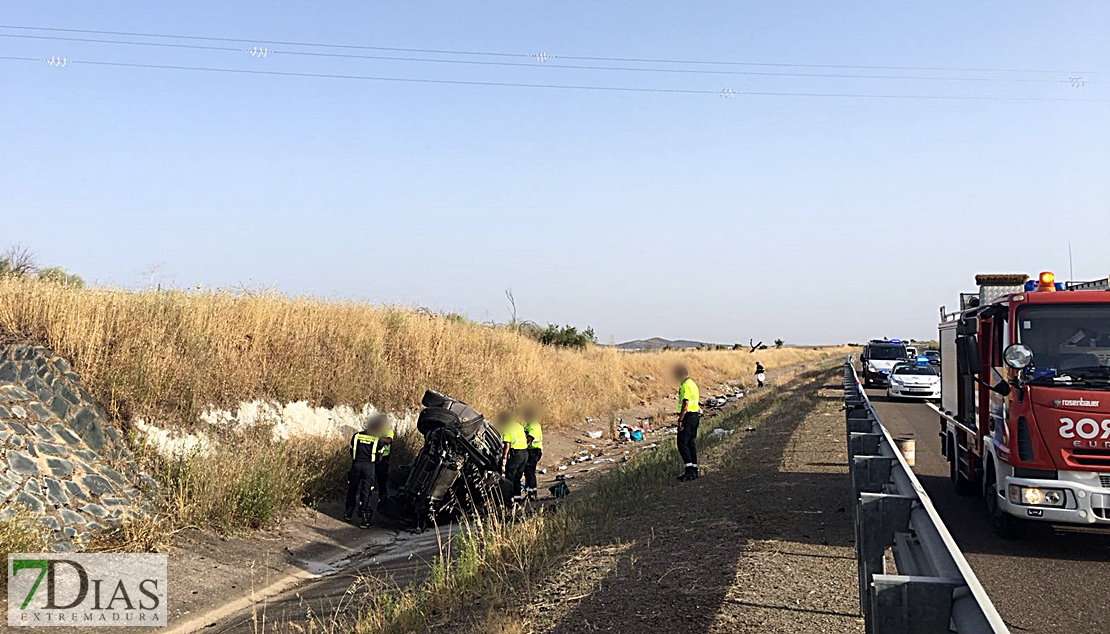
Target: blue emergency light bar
point(921, 360)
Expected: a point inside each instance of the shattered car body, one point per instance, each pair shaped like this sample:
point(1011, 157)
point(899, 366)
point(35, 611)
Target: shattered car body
point(456, 472)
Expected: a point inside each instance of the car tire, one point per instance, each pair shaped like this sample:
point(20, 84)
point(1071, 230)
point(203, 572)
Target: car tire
point(432, 418)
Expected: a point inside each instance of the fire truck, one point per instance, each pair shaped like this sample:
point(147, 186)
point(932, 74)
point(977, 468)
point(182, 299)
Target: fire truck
point(1025, 399)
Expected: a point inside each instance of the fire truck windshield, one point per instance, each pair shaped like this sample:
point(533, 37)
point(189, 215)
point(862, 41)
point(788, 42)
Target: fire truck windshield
point(886, 353)
point(1067, 339)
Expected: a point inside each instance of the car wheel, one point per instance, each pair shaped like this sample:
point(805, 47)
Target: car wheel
point(432, 418)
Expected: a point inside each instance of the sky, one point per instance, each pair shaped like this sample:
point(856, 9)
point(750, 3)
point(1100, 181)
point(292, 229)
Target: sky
point(709, 210)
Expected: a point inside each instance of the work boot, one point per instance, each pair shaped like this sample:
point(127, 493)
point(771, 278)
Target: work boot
point(365, 521)
point(348, 516)
point(685, 475)
point(693, 473)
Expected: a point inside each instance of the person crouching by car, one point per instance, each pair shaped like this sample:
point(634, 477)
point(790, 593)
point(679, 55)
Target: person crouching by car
point(514, 450)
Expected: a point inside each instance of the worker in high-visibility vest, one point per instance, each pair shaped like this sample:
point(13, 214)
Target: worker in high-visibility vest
point(689, 415)
point(533, 431)
point(360, 479)
point(382, 428)
point(514, 450)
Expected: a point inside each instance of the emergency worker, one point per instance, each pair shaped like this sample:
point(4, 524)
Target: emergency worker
point(533, 431)
point(360, 479)
point(514, 451)
point(383, 430)
point(689, 416)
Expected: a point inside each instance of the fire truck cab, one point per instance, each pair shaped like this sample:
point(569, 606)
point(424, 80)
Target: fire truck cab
point(1025, 399)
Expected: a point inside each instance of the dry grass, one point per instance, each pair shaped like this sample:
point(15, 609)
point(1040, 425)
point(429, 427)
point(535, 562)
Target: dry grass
point(250, 483)
point(167, 355)
point(21, 533)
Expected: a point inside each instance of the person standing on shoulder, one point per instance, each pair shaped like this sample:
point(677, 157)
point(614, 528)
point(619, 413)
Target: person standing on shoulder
point(534, 433)
point(760, 374)
point(689, 415)
point(514, 452)
point(382, 428)
point(360, 479)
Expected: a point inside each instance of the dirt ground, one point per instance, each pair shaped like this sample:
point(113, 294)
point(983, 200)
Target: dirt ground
point(761, 543)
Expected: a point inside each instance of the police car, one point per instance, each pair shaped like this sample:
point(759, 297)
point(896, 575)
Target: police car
point(914, 379)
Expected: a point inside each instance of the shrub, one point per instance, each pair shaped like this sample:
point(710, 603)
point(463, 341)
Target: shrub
point(566, 337)
point(58, 275)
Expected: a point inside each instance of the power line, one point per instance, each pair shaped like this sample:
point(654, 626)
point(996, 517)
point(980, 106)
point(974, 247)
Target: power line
point(686, 71)
point(637, 60)
point(578, 87)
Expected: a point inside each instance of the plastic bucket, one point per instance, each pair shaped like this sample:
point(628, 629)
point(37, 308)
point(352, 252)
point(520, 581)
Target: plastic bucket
point(907, 446)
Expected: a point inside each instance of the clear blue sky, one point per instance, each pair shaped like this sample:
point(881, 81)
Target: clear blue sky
point(815, 219)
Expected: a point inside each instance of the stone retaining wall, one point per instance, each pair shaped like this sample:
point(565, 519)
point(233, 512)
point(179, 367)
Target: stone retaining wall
point(60, 456)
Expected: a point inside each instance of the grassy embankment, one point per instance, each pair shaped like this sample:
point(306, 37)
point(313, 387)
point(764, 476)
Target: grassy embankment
point(166, 356)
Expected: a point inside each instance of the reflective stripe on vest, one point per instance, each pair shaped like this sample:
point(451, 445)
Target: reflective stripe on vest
point(361, 438)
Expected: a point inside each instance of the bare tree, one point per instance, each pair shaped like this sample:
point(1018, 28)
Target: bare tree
point(512, 307)
point(17, 261)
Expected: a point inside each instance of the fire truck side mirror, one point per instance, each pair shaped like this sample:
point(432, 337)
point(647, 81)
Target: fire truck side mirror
point(967, 354)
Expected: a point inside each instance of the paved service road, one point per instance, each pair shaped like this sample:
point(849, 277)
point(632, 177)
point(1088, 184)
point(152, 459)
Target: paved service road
point(1048, 581)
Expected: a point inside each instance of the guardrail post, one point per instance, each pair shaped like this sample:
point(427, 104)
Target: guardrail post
point(871, 473)
point(863, 445)
point(880, 516)
point(910, 605)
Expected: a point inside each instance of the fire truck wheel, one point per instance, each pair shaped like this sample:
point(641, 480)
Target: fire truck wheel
point(1004, 525)
point(960, 481)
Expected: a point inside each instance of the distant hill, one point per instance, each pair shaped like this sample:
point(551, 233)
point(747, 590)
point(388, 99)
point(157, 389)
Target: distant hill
point(658, 343)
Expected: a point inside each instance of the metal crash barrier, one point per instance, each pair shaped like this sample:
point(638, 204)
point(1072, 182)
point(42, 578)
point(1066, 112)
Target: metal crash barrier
point(932, 589)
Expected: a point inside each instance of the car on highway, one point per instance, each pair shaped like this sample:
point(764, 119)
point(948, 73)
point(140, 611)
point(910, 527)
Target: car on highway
point(879, 356)
point(934, 357)
point(913, 380)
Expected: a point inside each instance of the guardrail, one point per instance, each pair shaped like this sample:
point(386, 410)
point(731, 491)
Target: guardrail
point(932, 589)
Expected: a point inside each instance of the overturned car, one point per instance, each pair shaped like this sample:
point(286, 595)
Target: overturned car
point(456, 472)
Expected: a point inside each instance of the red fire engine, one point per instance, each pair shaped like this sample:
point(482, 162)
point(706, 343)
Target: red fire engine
point(1025, 399)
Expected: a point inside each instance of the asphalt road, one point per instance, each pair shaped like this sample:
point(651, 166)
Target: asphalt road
point(1047, 581)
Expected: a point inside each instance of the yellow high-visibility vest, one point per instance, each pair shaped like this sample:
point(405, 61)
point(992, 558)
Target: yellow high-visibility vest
point(688, 391)
point(534, 430)
point(384, 452)
point(514, 435)
point(364, 439)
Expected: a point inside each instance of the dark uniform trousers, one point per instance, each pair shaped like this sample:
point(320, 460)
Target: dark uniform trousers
point(360, 484)
point(687, 438)
point(381, 476)
point(534, 456)
point(514, 468)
